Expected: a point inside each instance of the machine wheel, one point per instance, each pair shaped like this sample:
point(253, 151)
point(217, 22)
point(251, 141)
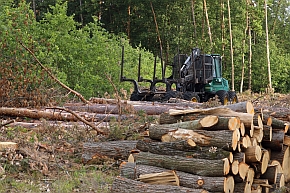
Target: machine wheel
point(190, 96)
point(168, 95)
point(135, 97)
point(223, 96)
point(233, 97)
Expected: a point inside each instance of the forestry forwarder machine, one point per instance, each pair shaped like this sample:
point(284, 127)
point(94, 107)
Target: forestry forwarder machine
point(197, 78)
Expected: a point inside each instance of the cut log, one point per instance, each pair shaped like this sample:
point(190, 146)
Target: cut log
point(244, 107)
point(183, 145)
point(253, 154)
point(276, 144)
point(267, 133)
point(286, 164)
point(279, 124)
point(267, 120)
point(264, 184)
point(243, 187)
point(270, 174)
point(6, 145)
point(257, 121)
point(160, 178)
point(165, 118)
point(250, 176)
point(225, 139)
point(206, 122)
point(243, 170)
point(39, 125)
point(242, 129)
point(212, 184)
point(280, 180)
point(96, 152)
point(125, 185)
point(278, 164)
point(128, 170)
point(246, 118)
point(201, 167)
point(258, 133)
point(281, 115)
point(235, 167)
point(240, 156)
point(225, 123)
point(286, 140)
point(265, 160)
point(182, 148)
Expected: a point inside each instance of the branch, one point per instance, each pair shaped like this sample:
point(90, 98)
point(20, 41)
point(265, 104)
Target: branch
point(54, 78)
point(99, 131)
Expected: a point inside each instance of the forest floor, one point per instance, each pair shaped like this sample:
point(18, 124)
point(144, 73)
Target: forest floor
point(48, 158)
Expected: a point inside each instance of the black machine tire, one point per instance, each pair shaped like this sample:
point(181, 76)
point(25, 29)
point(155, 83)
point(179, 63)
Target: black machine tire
point(233, 97)
point(223, 96)
point(136, 97)
point(190, 96)
point(169, 94)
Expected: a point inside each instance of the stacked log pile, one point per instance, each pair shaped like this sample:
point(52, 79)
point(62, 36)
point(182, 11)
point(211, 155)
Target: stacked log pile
point(224, 149)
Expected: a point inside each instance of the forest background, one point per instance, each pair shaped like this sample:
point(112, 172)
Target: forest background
point(80, 42)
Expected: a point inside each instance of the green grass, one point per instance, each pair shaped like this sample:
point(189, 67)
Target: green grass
point(83, 180)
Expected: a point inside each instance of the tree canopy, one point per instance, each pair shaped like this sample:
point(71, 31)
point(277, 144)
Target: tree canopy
point(80, 41)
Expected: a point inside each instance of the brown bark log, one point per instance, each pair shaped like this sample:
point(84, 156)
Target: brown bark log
point(257, 121)
point(267, 132)
point(212, 184)
point(8, 145)
point(97, 152)
point(63, 124)
point(270, 174)
point(203, 167)
point(246, 118)
point(49, 115)
point(264, 184)
point(281, 115)
point(182, 148)
point(116, 109)
point(160, 178)
point(125, 185)
point(276, 123)
point(204, 123)
point(286, 164)
point(225, 139)
point(244, 107)
point(280, 180)
point(265, 160)
point(276, 143)
point(258, 133)
point(243, 187)
point(253, 154)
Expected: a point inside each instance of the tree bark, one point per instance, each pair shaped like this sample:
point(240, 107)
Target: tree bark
point(212, 184)
point(225, 139)
point(203, 167)
point(125, 185)
point(169, 148)
point(97, 152)
point(276, 143)
point(246, 118)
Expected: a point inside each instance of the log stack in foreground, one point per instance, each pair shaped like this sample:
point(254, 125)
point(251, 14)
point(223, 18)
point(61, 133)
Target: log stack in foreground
point(226, 149)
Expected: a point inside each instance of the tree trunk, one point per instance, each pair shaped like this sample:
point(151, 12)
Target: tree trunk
point(125, 185)
point(212, 184)
point(246, 118)
point(97, 152)
point(268, 50)
point(169, 148)
point(231, 43)
point(203, 167)
point(225, 139)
